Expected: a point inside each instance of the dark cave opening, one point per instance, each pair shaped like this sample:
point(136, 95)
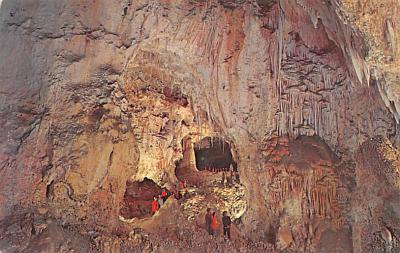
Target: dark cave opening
point(138, 198)
point(214, 154)
point(207, 161)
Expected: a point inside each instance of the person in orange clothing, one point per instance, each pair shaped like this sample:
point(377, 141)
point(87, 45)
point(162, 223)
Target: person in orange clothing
point(154, 205)
point(214, 224)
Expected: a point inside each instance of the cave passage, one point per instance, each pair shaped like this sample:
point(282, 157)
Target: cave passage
point(213, 154)
point(138, 197)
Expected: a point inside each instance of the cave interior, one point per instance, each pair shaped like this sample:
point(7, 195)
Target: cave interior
point(214, 153)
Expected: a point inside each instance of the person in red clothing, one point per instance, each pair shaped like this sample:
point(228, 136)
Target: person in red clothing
point(214, 224)
point(154, 205)
point(164, 195)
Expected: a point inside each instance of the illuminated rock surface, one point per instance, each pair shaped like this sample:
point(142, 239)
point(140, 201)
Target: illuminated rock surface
point(105, 103)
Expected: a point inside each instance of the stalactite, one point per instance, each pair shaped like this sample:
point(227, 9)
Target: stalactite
point(209, 115)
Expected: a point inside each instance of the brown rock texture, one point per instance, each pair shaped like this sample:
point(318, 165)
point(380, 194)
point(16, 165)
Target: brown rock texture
point(379, 23)
point(375, 207)
point(308, 196)
point(102, 104)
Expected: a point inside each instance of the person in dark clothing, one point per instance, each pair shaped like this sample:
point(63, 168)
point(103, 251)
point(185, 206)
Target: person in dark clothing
point(208, 220)
point(226, 222)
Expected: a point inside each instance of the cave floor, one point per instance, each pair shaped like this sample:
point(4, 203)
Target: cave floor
point(179, 223)
point(179, 226)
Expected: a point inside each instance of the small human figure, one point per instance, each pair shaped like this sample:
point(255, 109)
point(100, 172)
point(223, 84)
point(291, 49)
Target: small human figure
point(223, 179)
point(164, 195)
point(208, 219)
point(214, 224)
point(160, 201)
point(226, 223)
point(154, 205)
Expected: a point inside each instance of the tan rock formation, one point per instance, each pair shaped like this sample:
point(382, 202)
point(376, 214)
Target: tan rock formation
point(379, 22)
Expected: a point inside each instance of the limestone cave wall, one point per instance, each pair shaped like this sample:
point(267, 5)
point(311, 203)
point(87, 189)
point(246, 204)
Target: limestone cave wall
point(95, 94)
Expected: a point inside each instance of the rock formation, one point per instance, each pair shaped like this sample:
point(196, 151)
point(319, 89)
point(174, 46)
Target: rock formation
point(104, 103)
